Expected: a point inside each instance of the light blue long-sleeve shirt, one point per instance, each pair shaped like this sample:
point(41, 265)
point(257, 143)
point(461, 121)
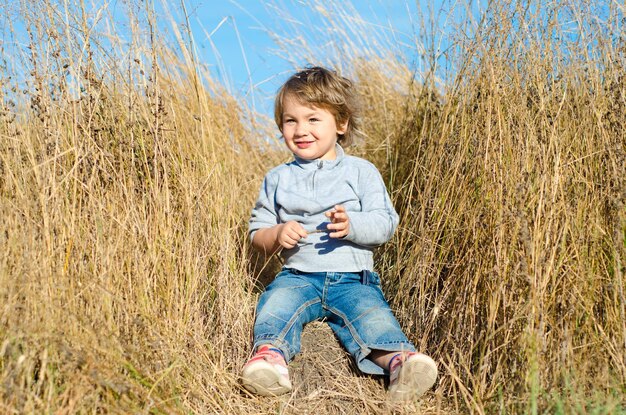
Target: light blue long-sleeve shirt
point(304, 190)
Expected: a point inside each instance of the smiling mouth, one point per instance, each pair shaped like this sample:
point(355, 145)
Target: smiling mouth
point(303, 144)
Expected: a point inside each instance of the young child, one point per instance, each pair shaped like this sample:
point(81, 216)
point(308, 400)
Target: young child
point(325, 212)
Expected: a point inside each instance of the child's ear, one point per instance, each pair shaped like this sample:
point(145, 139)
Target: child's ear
point(342, 127)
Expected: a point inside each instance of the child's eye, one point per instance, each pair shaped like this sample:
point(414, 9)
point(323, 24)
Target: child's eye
point(314, 119)
point(289, 121)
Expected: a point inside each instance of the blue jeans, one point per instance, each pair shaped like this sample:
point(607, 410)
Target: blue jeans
point(352, 304)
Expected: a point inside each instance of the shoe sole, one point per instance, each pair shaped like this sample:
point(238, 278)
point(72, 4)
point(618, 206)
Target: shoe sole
point(416, 377)
point(262, 379)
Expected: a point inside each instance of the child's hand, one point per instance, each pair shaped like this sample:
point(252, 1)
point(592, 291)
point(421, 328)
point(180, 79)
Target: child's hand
point(340, 222)
point(289, 233)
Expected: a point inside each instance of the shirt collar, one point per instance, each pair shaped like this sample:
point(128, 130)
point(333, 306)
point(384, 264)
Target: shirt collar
point(319, 163)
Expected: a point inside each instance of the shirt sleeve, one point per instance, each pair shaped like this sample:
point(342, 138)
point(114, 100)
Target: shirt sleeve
point(265, 212)
point(377, 221)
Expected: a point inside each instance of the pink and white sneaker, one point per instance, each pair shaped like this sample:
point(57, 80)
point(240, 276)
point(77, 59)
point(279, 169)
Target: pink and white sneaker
point(411, 374)
point(266, 373)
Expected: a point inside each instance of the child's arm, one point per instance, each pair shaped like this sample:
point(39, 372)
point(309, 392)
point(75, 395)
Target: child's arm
point(268, 234)
point(377, 220)
point(284, 235)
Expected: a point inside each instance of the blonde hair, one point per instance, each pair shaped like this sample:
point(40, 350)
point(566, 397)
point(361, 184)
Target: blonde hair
point(325, 89)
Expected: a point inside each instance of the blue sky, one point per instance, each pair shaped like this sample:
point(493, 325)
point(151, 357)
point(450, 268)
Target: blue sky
point(250, 46)
point(236, 39)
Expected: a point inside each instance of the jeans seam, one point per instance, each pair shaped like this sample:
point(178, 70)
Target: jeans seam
point(325, 291)
point(353, 332)
point(295, 317)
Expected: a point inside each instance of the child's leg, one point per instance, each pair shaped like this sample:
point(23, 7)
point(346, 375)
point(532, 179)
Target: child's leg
point(411, 374)
point(383, 358)
point(366, 326)
point(288, 303)
point(363, 322)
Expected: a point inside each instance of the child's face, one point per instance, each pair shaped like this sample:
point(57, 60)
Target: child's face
point(310, 132)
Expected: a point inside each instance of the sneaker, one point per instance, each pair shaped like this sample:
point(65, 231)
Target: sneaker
point(266, 373)
point(411, 375)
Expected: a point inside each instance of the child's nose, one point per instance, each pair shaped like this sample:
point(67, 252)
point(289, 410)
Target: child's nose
point(301, 129)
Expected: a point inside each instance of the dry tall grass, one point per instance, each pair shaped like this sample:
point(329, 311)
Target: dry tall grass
point(127, 177)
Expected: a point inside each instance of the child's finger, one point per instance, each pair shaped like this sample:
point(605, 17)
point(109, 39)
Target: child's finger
point(342, 216)
point(338, 234)
point(298, 231)
point(295, 235)
point(337, 226)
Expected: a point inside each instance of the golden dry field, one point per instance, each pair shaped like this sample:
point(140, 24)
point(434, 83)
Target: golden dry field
point(127, 175)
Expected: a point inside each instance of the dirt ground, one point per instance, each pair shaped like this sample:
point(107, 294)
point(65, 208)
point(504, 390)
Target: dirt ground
point(326, 381)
